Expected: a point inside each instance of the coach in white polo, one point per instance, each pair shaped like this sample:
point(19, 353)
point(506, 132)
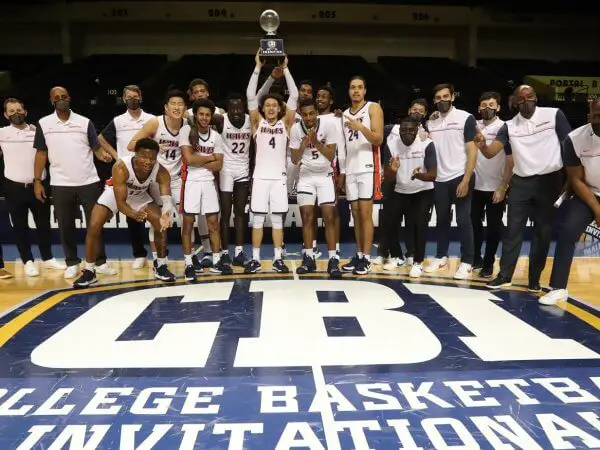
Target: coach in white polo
point(117, 134)
point(535, 135)
point(68, 142)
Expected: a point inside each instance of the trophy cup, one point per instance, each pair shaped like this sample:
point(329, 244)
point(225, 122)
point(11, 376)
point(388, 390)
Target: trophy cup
point(271, 47)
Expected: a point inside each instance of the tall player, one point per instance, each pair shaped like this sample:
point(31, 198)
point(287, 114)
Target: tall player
point(313, 145)
point(202, 150)
point(165, 131)
point(363, 123)
point(269, 190)
point(129, 194)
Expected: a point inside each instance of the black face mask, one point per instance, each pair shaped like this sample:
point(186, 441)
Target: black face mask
point(133, 104)
point(408, 139)
point(527, 108)
point(444, 106)
point(62, 105)
point(487, 113)
point(17, 119)
point(596, 129)
point(416, 116)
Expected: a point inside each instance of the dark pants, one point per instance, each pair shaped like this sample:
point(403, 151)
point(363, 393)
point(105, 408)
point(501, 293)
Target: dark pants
point(530, 197)
point(386, 239)
point(137, 235)
point(483, 206)
point(445, 196)
point(577, 217)
point(66, 201)
point(20, 200)
point(415, 208)
point(1, 258)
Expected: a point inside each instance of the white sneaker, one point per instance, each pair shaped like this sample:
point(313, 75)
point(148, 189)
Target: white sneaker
point(54, 264)
point(554, 296)
point(139, 263)
point(105, 269)
point(379, 261)
point(31, 269)
point(391, 263)
point(415, 271)
point(410, 261)
point(71, 271)
point(437, 264)
point(464, 272)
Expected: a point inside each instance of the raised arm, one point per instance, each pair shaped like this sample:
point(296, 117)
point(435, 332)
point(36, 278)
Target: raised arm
point(148, 130)
point(292, 102)
point(251, 94)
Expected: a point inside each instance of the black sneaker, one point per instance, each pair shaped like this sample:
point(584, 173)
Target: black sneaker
point(164, 274)
point(280, 267)
point(190, 273)
point(196, 265)
point(308, 265)
point(223, 267)
point(351, 265)
point(240, 260)
point(155, 265)
point(206, 261)
point(333, 268)
point(226, 259)
point(486, 272)
point(498, 283)
point(87, 278)
point(478, 264)
point(534, 286)
point(363, 267)
point(253, 267)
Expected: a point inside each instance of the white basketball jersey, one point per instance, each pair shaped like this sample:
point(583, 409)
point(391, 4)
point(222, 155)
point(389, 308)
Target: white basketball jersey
point(313, 161)
point(360, 153)
point(170, 154)
point(134, 186)
point(271, 147)
point(207, 144)
point(236, 145)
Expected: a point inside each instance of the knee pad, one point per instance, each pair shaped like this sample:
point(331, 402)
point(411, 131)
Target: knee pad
point(277, 221)
point(258, 221)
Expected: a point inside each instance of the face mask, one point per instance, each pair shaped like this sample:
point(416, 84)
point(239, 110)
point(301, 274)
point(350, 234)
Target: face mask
point(487, 113)
point(408, 139)
point(416, 116)
point(132, 104)
point(62, 105)
point(444, 106)
point(596, 128)
point(17, 119)
point(527, 108)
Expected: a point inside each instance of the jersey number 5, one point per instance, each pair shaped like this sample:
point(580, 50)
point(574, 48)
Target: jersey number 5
point(352, 135)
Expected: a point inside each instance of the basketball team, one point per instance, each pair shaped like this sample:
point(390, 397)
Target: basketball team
point(198, 166)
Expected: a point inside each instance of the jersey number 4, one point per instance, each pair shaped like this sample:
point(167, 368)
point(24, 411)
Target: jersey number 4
point(352, 135)
point(272, 142)
point(238, 147)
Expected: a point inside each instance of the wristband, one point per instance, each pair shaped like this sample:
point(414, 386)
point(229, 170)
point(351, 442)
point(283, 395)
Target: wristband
point(167, 204)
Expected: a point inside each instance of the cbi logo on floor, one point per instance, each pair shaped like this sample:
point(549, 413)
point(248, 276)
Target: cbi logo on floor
point(281, 363)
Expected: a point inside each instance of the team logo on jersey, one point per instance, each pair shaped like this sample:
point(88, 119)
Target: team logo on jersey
point(279, 363)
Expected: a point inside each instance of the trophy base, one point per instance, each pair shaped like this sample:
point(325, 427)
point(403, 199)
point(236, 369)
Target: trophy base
point(271, 51)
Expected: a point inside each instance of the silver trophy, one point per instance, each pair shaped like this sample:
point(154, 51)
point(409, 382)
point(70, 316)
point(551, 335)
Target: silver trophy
point(271, 46)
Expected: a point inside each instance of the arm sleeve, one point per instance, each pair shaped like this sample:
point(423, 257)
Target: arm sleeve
point(110, 134)
point(470, 129)
point(563, 128)
point(184, 136)
point(295, 140)
point(39, 141)
point(92, 136)
point(251, 90)
point(430, 156)
point(264, 89)
point(292, 102)
point(569, 157)
point(218, 144)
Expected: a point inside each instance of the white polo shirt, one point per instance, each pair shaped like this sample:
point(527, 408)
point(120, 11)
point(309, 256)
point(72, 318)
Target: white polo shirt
point(450, 133)
point(582, 148)
point(489, 172)
point(536, 142)
point(69, 145)
point(19, 153)
point(121, 130)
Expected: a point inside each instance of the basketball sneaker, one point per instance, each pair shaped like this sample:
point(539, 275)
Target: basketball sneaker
point(554, 296)
point(351, 265)
point(240, 260)
point(253, 267)
point(280, 267)
point(308, 265)
point(87, 278)
point(190, 273)
point(333, 268)
point(164, 274)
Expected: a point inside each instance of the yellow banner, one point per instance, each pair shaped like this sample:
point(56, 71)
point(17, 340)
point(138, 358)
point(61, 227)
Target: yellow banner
point(544, 84)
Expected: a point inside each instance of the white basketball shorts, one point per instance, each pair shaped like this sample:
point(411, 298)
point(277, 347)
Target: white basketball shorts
point(228, 178)
point(269, 196)
point(359, 186)
point(136, 202)
point(315, 188)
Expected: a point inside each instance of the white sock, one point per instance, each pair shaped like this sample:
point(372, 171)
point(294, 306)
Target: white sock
point(216, 257)
point(161, 262)
point(368, 257)
point(256, 254)
point(188, 260)
point(337, 246)
point(206, 245)
point(90, 266)
point(225, 252)
point(238, 250)
point(310, 252)
point(359, 254)
point(277, 251)
point(333, 254)
point(314, 243)
point(154, 256)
